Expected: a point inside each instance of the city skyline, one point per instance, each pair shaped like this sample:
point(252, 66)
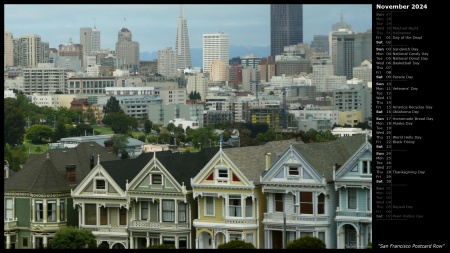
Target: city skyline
point(247, 25)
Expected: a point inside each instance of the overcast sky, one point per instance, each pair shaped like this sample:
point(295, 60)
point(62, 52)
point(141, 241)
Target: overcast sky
point(154, 26)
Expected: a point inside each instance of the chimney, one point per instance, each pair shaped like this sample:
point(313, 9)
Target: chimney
point(267, 161)
point(71, 174)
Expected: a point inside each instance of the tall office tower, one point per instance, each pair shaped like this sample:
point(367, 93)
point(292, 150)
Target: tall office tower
point(30, 51)
point(286, 26)
point(127, 51)
point(90, 39)
point(349, 50)
point(167, 63)
point(182, 44)
point(8, 49)
point(320, 43)
point(216, 46)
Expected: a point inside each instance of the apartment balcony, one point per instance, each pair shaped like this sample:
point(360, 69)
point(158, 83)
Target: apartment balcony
point(296, 219)
point(353, 215)
point(47, 226)
point(142, 224)
point(10, 225)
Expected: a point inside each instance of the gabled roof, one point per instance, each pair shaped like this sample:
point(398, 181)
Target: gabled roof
point(182, 166)
point(42, 177)
point(79, 156)
point(322, 156)
point(251, 160)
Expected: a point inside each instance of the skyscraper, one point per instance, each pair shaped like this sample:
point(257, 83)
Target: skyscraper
point(182, 48)
point(286, 26)
point(90, 39)
point(8, 49)
point(216, 46)
point(127, 51)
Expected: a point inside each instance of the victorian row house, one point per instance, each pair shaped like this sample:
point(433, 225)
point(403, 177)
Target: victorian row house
point(267, 195)
point(37, 198)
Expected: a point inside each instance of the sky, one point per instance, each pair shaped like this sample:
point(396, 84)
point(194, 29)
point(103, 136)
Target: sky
point(154, 26)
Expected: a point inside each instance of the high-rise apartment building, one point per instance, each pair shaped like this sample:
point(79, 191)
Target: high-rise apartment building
point(44, 79)
point(216, 46)
point(90, 39)
point(286, 26)
point(182, 48)
point(127, 51)
point(8, 49)
point(30, 50)
point(167, 63)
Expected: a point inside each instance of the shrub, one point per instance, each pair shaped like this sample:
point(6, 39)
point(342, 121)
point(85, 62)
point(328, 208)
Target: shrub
point(306, 242)
point(236, 244)
point(162, 246)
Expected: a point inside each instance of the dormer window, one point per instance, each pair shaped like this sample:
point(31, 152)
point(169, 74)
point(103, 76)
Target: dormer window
point(366, 166)
point(294, 171)
point(222, 174)
point(156, 179)
point(100, 184)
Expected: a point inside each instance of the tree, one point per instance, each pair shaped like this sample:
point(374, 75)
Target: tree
point(14, 123)
point(236, 244)
point(120, 123)
point(119, 143)
point(112, 106)
point(306, 242)
point(37, 133)
point(194, 95)
point(171, 127)
point(148, 126)
point(73, 238)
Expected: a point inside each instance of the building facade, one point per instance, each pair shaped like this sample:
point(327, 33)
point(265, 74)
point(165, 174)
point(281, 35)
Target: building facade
point(286, 26)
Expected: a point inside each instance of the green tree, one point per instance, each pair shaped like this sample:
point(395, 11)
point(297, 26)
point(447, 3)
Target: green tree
point(73, 238)
point(148, 126)
point(112, 106)
point(60, 131)
point(194, 95)
point(14, 123)
point(171, 127)
point(236, 244)
point(120, 123)
point(119, 143)
point(83, 129)
point(15, 156)
point(306, 242)
point(89, 115)
point(144, 117)
point(37, 133)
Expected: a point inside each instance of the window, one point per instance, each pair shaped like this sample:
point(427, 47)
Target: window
point(51, 210)
point(182, 212)
point(235, 237)
point(9, 209)
point(248, 207)
point(100, 184)
point(306, 203)
point(293, 171)
point(103, 216)
point(156, 179)
point(321, 204)
point(322, 236)
point(168, 209)
point(182, 243)
point(222, 173)
point(234, 204)
point(351, 198)
point(168, 240)
point(367, 167)
point(209, 206)
point(90, 215)
point(368, 200)
point(144, 210)
point(122, 216)
point(278, 202)
point(39, 210)
point(306, 233)
point(25, 242)
point(62, 210)
point(249, 238)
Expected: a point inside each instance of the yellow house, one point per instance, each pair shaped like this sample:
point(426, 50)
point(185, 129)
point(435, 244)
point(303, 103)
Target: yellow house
point(229, 196)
